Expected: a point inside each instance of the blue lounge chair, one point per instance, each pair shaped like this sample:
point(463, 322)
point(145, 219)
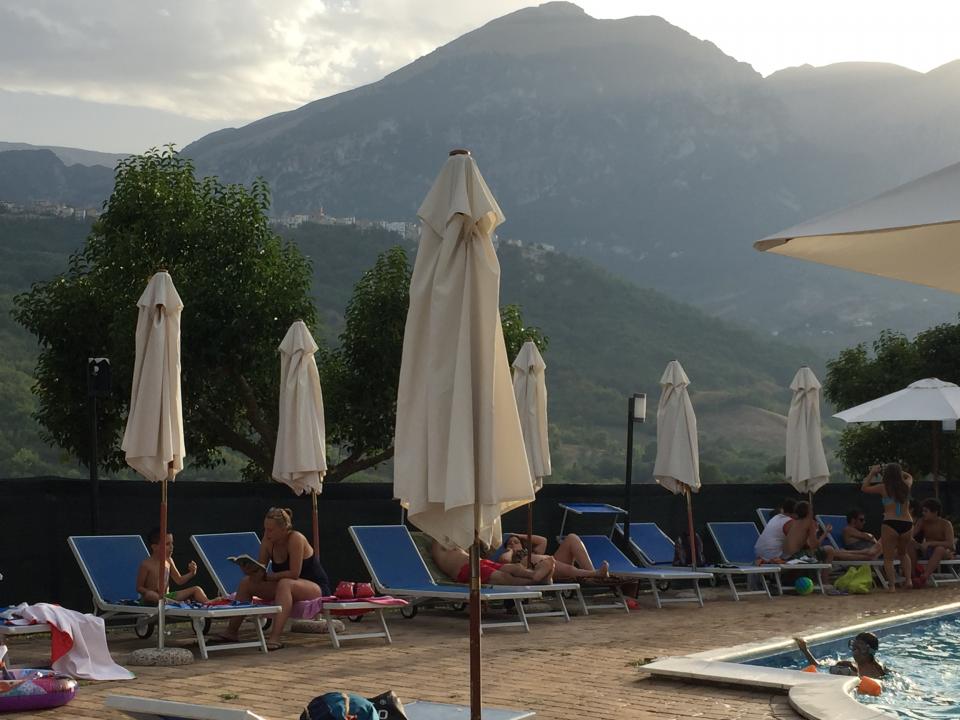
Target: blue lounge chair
point(736, 542)
point(600, 548)
point(765, 514)
point(215, 548)
point(149, 709)
point(110, 564)
point(657, 550)
point(397, 569)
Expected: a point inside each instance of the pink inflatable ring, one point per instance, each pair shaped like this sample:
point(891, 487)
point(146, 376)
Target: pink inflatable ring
point(34, 690)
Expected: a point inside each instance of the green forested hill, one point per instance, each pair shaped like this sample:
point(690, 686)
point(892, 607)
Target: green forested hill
point(608, 338)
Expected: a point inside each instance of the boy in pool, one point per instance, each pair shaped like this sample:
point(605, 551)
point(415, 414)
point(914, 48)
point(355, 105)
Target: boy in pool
point(148, 576)
point(864, 648)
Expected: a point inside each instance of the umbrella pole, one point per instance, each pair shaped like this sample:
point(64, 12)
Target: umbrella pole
point(316, 525)
point(693, 537)
point(476, 702)
point(162, 575)
point(936, 459)
point(530, 535)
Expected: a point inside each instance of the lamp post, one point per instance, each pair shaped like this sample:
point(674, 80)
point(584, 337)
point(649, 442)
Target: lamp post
point(636, 412)
point(98, 385)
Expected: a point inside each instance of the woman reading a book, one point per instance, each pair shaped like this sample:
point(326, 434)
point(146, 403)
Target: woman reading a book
point(295, 575)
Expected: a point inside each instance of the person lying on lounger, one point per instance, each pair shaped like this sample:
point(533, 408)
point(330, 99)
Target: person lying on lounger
point(864, 648)
point(456, 564)
point(854, 536)
point(803, 539)
point(572, 561)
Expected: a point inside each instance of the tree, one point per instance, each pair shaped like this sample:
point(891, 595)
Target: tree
point(242, 287)
point(515, 333)
point(361, 376)
point(855, 377)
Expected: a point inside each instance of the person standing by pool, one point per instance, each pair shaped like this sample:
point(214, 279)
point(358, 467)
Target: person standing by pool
point(864, 648)
point(896, 532)
point(938, 542)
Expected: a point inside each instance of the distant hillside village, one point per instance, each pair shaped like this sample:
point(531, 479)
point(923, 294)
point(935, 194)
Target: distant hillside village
point(44, 208)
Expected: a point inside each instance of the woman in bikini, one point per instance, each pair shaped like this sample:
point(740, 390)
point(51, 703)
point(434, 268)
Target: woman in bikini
point(295, 574)
point(896, 532)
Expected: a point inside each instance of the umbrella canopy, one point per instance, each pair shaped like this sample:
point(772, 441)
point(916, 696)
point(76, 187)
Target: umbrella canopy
point(677, 466)
point(153, 439)
point(530, 389)
point(910, 233)
point(806, 463)
point(459, 458)
point(300, 460)
point(927, 399)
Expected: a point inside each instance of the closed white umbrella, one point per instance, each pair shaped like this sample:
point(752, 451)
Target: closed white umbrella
point(930, 399)
point(300, 460)
point(530, 389)
point(459, 458)
point(909, 233)
point(677, 466)
point(153, 438)
point(807, 467)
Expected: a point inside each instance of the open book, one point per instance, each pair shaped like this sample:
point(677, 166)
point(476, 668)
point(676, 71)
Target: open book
point(249, 565)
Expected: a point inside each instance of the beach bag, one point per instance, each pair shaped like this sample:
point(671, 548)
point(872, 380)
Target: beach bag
point(339, 706)
point(681, 550)
point(857, 580)
point(388, 706)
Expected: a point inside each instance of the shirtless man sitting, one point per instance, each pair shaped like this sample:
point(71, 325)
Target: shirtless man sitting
point(456, 564)
point(803, 537)
point(938, 540)
point(854, 536)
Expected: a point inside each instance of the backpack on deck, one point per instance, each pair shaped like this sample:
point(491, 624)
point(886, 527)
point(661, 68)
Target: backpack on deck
point(681, 550)
point(339, 706)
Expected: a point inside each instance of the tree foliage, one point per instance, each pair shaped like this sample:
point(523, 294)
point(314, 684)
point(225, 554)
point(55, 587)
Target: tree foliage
point(515, 333)
point(241, 285)
point(360, 377)
point(856, 376)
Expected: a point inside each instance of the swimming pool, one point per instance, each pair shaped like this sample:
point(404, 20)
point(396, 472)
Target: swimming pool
point(923, 655)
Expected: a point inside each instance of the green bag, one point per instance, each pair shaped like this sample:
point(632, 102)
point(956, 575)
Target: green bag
point(857, 580)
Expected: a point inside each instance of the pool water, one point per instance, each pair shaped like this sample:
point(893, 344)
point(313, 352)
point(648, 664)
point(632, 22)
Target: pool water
point(922, 659)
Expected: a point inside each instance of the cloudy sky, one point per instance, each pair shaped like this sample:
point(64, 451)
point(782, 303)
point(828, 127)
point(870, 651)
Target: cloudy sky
point(122, 75)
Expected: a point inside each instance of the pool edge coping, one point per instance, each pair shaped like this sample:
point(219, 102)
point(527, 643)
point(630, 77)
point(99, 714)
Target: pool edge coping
point(814, 696)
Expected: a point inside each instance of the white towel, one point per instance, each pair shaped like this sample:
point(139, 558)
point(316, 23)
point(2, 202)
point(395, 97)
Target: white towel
point(89, 658)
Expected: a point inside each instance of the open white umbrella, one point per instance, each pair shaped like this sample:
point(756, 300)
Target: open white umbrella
point(153, 438)
point(807, 467)
point(459, 458)
point(530, 389)
point(300, 460)
point(930, 399)
point(677, 467)
point(909, 233)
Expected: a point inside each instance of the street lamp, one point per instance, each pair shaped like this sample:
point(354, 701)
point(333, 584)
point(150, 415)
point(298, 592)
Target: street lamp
point(98, 385)
point(636, 413)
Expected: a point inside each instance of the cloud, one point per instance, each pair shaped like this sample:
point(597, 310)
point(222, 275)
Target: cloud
point(220, 60)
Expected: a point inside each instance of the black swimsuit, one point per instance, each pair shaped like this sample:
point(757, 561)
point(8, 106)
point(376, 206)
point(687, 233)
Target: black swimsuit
point(311, 570)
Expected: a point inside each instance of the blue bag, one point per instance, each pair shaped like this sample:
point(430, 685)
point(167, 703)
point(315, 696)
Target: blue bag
point(339, 706)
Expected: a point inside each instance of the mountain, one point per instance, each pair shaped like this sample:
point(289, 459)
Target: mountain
point(608, 339)
point(28, 176)
point(634, 144)
point(70, 156)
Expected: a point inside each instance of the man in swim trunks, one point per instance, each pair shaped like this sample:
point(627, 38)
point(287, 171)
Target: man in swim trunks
point(456, 564)
point(938, 541)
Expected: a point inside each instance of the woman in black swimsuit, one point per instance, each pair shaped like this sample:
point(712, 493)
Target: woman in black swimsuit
point(295, 573)
point(896, 532)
